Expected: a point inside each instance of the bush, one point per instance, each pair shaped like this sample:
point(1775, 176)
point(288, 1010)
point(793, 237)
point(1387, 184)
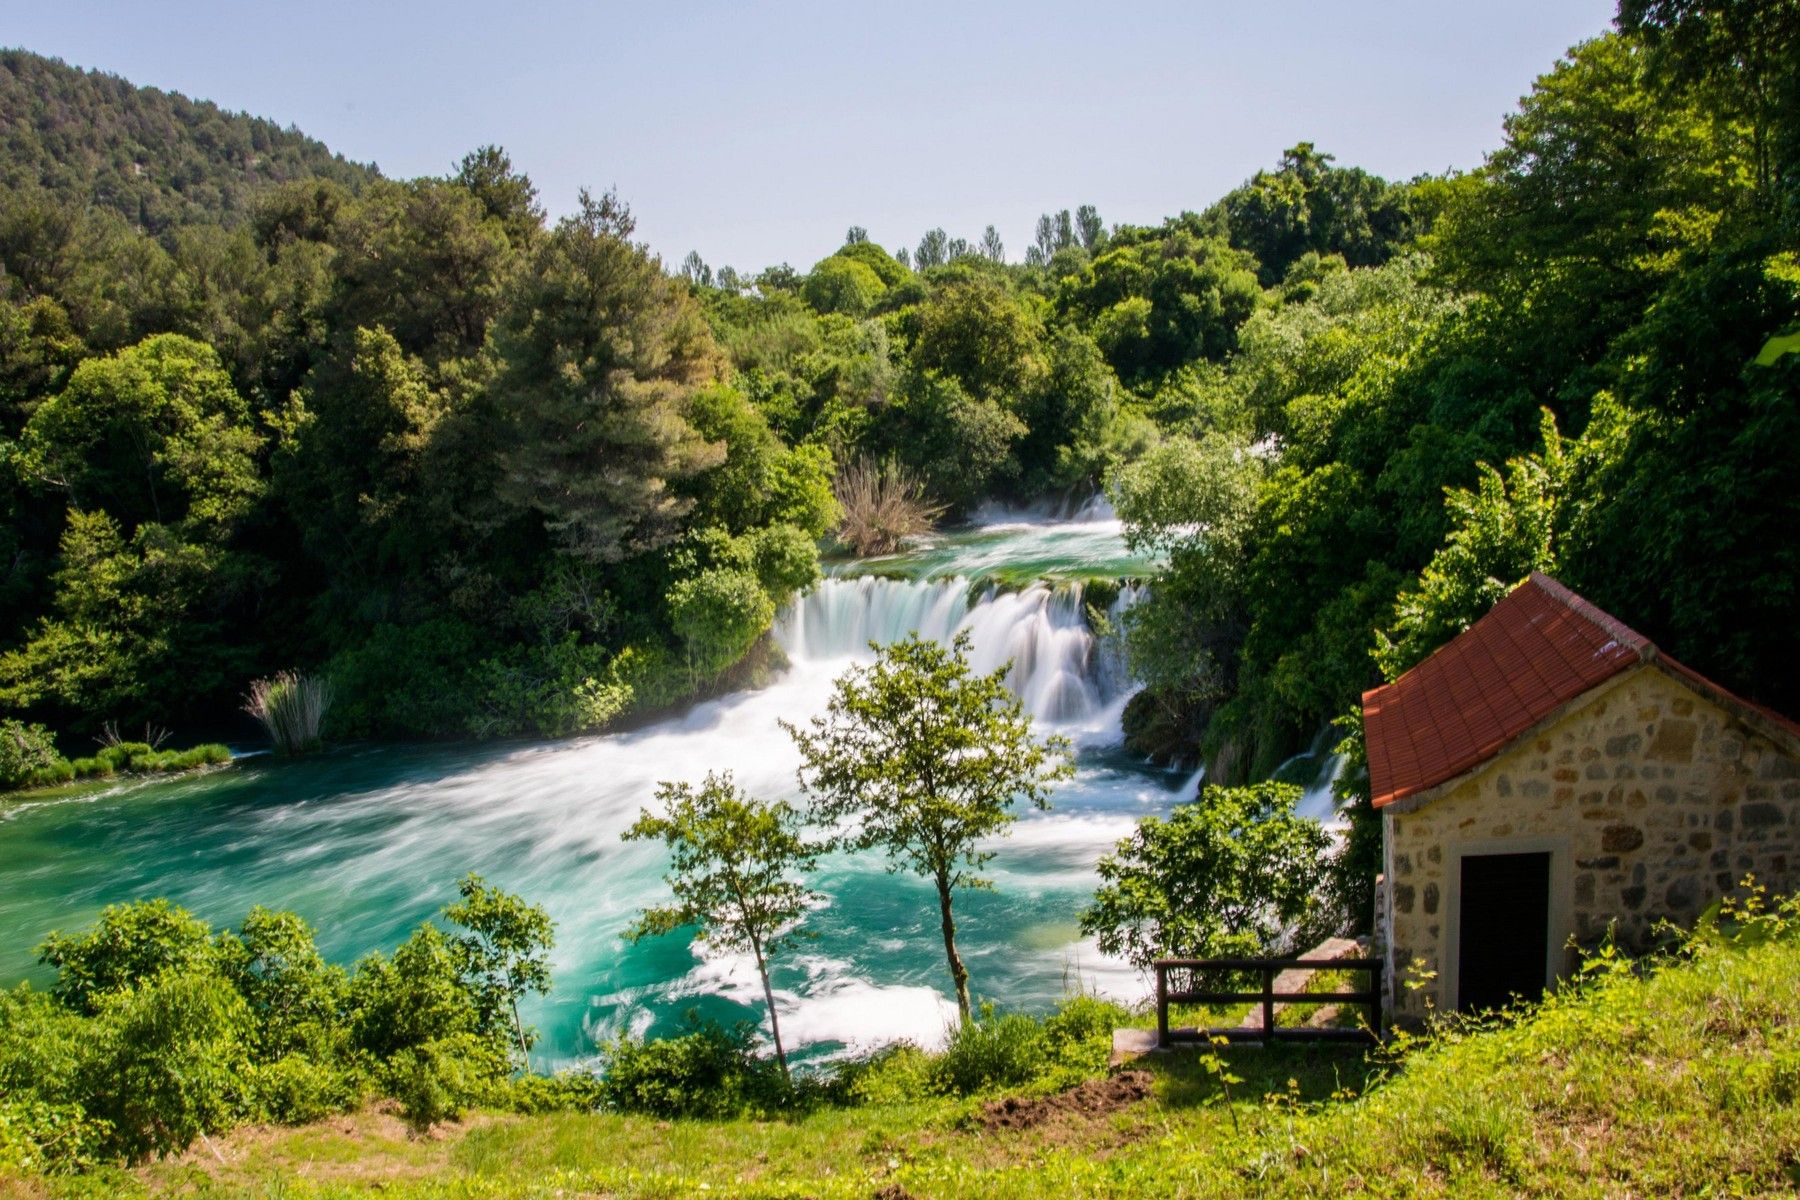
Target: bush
point(565, 1091)
point(167, 1061)
point(25, 750)
point(436, 1080)
point(417, 997)
point(51, 775)
point(718, 614)
point(709, 1072)
point(48, 1139)
point(129, 945)
point(295, 1089)
point(1078, 1036)
point(786, 561)
point(555, 689)
point(995, 1051)
point(897, 1074)
point(41, 1046)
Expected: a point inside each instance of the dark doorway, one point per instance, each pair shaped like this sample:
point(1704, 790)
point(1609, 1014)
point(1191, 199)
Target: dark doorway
point(1505, 929)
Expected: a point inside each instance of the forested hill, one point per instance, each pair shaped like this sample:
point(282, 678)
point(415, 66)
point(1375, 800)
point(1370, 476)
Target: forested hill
point(157, 158)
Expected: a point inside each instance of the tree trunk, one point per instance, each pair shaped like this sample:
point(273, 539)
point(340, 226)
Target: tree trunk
point(959, 974)
point(762, 968)
point(519, 1028)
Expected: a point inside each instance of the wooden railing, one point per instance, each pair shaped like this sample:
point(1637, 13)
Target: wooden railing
point(1186, 969)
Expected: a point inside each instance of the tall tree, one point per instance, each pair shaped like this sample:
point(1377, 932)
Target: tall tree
point(992, 248)
point(600, 353)
point(1089, 228)
point(1746, 55)
point(508, 196)
point(926, 760)
point(737, 871)
point(934, 249)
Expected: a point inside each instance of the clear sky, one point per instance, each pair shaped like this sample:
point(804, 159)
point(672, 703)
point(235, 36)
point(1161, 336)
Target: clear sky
point(756, 133)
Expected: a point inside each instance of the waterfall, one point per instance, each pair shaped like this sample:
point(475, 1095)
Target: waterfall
point(1060, 670)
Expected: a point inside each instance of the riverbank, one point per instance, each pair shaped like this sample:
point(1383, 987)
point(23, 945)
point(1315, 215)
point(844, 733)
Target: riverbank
point(121, 760)
point(1680, 1083)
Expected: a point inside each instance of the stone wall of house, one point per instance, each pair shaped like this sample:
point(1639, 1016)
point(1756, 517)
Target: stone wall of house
point(1660, 803)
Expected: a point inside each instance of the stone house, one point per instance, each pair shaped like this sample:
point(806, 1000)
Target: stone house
point(1550, 774)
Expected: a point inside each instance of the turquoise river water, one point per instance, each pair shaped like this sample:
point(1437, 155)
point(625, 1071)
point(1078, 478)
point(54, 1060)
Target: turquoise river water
point(365, 842)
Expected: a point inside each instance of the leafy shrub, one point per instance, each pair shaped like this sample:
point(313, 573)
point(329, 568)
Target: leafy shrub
point(294, 994)
point(897, 1074)
point(709, 1072)
point(652, 673)
point(167, 1061)
point(415, 998)
point(50, 775)
point(25, 750)
point(437, 1080)
point(130, 944)
point(556, 689)
point(565, 1091)
point(1078, 1036)
point(407, 679)
point(48, 1139)
point(295, 1089)
point(41, 1046)
point(786, 561)
point(718, 614)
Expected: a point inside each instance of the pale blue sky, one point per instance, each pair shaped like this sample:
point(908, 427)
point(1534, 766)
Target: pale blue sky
point(756, 133)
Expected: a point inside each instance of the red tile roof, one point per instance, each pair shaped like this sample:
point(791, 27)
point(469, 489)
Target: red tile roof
point(1539, 648)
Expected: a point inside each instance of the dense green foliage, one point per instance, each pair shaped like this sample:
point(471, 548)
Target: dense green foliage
point(1232, 873)
point(159, 1029)
point(28, 758)
point(264, 411)
point(1561, 374)
point(498, 476)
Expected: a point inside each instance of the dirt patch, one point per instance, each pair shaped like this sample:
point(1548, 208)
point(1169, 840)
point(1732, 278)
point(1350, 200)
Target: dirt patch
point(1094, 1098)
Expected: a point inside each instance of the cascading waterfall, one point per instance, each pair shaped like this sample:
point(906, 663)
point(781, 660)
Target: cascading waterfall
point(1063, 674)
point(365, 842)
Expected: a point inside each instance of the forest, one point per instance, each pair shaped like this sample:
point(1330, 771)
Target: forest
point(496, 475)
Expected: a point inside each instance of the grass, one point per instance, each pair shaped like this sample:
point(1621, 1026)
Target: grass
point(291, 708)
point(1682, 1083)
point(883, 507)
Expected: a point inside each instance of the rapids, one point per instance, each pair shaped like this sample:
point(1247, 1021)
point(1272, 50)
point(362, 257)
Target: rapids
point(367, 841)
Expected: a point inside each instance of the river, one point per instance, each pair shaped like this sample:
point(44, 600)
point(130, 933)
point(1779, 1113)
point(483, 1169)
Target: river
point(365, 842)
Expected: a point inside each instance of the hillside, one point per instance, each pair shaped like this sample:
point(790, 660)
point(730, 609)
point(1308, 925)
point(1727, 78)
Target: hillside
point(157, 158)
point(1686, 1082)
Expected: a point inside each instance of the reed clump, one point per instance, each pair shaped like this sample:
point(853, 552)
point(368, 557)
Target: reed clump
point(884, 506)
point(292, 708)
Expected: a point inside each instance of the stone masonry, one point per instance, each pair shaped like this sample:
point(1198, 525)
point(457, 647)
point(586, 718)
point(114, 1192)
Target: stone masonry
point(1653, 801)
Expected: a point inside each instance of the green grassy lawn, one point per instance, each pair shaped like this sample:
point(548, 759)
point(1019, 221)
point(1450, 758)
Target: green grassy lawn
point(1682, 1083)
